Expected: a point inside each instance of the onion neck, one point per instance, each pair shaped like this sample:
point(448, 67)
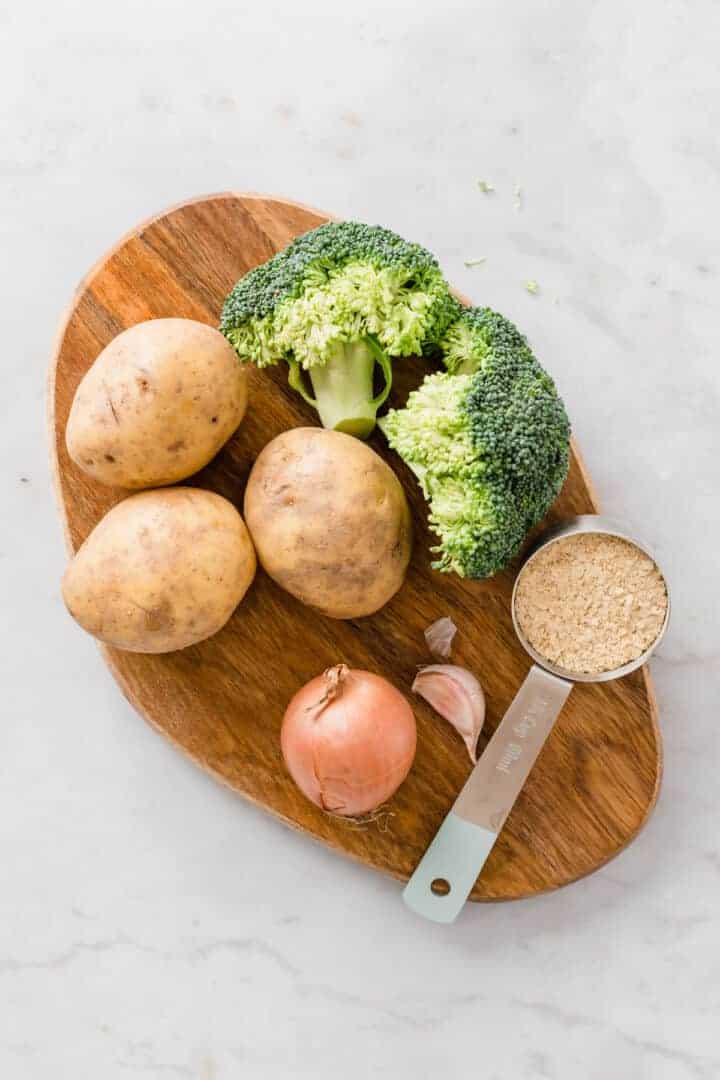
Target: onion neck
point(334, 680)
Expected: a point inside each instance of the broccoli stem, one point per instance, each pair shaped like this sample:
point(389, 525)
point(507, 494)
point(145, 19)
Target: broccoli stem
point(344, 386)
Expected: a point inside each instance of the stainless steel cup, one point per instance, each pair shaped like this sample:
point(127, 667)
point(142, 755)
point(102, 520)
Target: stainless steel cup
point(447, 872)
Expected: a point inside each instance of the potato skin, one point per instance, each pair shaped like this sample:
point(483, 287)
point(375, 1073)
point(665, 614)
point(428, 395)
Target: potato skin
point(161, 571)
point(157, 404)
point(329, 521)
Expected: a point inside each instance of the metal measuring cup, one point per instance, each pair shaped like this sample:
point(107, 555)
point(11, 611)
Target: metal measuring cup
point(449, 868)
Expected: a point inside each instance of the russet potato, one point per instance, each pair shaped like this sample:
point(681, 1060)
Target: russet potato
point(329, 521)
point(157, 404)
point(162, 570)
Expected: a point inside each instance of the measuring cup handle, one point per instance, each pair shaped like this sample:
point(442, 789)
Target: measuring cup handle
point(447, 872)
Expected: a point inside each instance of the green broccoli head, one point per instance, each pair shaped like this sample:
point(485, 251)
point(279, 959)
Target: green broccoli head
point(519, 421)
point(476, 523)
point(489, 443)
point(479, 337)
point(343, 297)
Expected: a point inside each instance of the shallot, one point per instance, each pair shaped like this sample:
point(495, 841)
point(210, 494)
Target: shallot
point(456, 694)
point(348, 739)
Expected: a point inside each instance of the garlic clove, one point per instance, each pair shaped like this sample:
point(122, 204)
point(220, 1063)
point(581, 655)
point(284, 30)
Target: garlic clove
point(439, 637)
point(457, 696)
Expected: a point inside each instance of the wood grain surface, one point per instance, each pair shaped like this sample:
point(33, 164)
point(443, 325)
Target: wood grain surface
point(222, 701)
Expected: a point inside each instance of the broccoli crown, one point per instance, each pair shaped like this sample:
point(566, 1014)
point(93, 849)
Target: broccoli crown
point(518, 420)
point(336, 284)
point(477, 524)
point(479, 337)
point(490, 444)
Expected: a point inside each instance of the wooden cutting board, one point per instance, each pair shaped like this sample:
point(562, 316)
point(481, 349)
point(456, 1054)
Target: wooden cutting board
point(222, 701)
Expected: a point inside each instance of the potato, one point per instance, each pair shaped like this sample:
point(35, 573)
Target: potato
point(157, 404)
point(162, 570)
point(329, 521)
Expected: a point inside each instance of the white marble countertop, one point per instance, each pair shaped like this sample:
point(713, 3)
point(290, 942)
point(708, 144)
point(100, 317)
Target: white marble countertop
point(151, 924)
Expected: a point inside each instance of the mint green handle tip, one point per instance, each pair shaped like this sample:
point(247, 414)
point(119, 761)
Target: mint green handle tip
point(455, 857)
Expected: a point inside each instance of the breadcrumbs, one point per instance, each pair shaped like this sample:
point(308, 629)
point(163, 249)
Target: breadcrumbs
point(591, 603)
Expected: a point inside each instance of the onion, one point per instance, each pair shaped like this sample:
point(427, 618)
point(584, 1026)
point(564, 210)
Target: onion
point(439, 637)
point(456, 694)
point(348, 739)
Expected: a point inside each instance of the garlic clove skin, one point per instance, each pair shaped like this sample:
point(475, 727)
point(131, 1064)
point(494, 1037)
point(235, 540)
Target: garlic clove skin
point(439, 637)
point(457, 696)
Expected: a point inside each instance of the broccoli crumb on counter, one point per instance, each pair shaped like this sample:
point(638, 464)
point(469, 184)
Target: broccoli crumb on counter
point(488, 441)
point(336, 302)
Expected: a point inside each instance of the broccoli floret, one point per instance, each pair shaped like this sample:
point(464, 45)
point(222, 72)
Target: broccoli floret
point(479, 333)
point(488, 441)
point(336, 302)
point(478, 527)
point(519, 421)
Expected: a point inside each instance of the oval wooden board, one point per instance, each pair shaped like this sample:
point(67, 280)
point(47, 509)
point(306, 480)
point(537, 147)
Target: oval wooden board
point(222, 701)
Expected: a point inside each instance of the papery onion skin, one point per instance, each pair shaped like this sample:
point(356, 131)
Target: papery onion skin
point(348, 739)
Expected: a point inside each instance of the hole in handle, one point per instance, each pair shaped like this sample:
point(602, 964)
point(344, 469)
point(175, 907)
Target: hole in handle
point(440, 886)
